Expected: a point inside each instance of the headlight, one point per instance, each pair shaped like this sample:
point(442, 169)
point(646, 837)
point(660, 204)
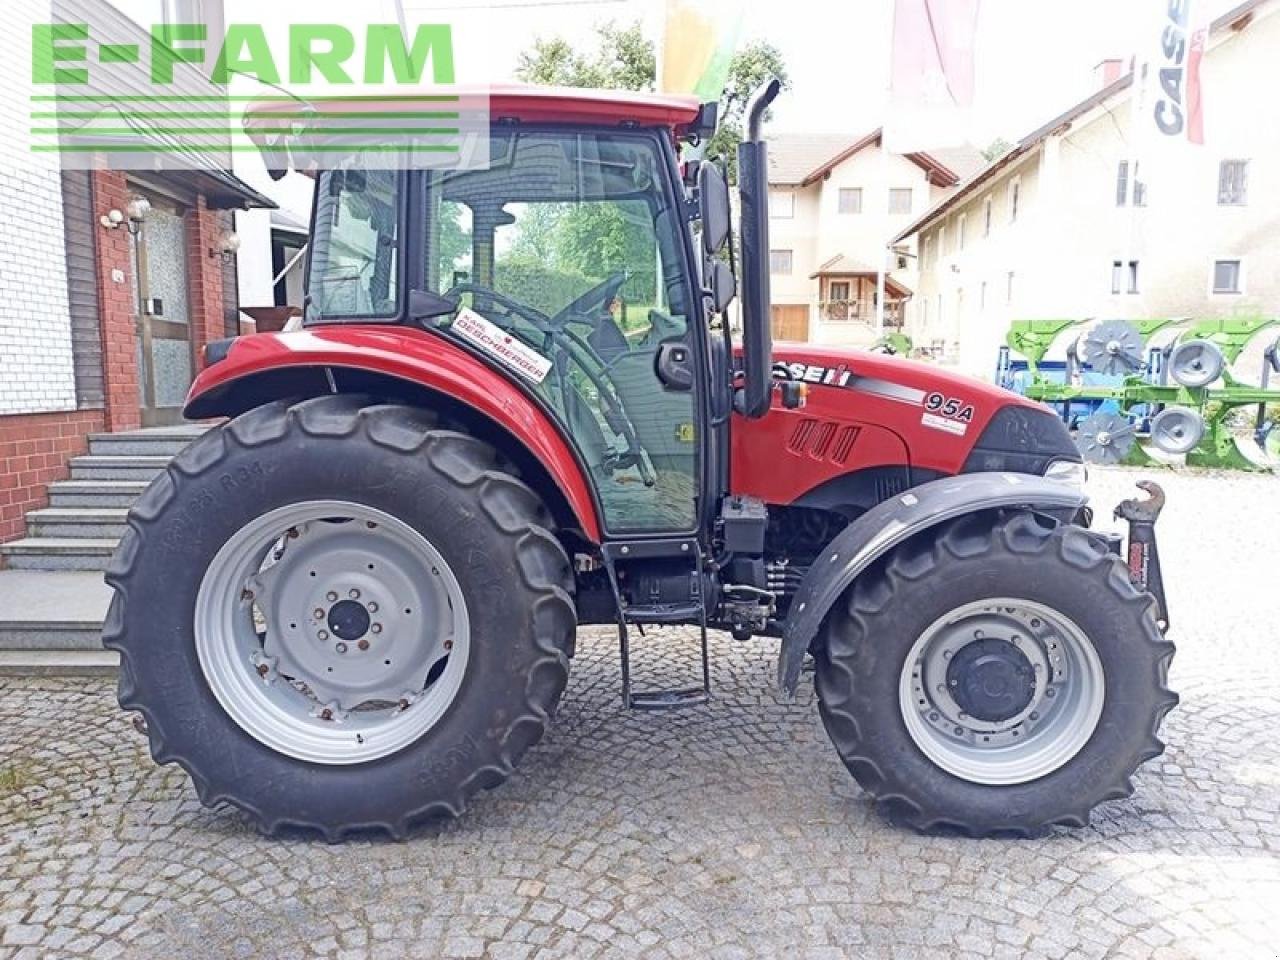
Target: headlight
point(1067, 471)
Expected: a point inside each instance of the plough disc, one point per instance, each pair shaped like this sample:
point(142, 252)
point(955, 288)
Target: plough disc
point(1113, 347)
point(1177, 430)
point(1105, 438)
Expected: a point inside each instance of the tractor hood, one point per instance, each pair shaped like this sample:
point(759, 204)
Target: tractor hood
point(890, 420)
point(845, 366)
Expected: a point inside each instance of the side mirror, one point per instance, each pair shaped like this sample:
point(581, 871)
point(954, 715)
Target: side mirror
point(713, 208)
point(720, 283)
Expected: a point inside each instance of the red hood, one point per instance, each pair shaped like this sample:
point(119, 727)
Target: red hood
point(917, 374)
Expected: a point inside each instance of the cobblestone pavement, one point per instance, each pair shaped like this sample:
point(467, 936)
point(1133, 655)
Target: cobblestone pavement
point(725, 831)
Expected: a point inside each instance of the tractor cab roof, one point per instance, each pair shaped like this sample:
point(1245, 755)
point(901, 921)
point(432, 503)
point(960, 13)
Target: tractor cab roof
point(517, 102)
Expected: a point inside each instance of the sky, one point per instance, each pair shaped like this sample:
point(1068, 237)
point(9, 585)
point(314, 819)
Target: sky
point(1035, 58)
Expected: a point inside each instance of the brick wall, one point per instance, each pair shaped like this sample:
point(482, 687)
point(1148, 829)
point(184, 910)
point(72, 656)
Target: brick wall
point(34, 450)
point(36, 370)
point(204, 277)
point(115, 302)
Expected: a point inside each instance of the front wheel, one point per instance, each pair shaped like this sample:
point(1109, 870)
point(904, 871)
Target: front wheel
point(341, 616)
point(1001, 676)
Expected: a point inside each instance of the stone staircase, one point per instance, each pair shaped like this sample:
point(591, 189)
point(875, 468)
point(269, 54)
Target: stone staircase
point(52, 598)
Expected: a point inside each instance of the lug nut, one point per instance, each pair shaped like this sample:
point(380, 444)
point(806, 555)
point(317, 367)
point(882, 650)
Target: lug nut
point(323, 634)
point(319, 614)
point(448, 644)
point(363, 644)
point(1051, 692)
point(331, 596)
point(263, 669)
point(373, 607)
point(376, 628)
point(326, 714)
point(354, 594)
point(341, 648)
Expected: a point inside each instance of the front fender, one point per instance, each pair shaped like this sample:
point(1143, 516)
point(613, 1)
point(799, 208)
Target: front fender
point(224, 388)
point(893, 522)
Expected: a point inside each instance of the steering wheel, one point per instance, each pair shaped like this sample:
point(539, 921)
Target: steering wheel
point(532, 314)
point(615, 413)
point(588, 307)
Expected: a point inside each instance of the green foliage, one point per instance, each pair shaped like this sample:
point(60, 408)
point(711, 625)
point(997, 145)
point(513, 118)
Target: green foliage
point(624, 59)
point(542, 286)
point(998, 148)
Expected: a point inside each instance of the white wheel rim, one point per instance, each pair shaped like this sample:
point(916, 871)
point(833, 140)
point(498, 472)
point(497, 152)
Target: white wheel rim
point(302, 688)
point(1053, 725)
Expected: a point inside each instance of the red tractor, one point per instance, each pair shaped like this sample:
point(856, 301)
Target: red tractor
point(514, 407)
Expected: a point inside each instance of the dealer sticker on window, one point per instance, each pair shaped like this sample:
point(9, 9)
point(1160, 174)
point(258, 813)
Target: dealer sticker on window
point(496, 342)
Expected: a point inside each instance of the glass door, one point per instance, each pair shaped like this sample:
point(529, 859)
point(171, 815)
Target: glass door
point(163, 314)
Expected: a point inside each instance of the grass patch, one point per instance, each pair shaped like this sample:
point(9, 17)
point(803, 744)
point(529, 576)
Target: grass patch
point(13, 778)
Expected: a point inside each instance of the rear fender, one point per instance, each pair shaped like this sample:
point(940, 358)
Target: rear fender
point(261, 367)
point(892, 523)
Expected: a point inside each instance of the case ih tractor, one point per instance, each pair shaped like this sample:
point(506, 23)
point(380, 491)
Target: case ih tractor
point(513, 408)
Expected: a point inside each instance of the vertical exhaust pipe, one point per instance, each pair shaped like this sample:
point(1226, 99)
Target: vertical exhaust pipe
point(753, 190)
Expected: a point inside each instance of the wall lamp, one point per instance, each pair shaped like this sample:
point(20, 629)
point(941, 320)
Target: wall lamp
point(227, 245)
point(132, 217)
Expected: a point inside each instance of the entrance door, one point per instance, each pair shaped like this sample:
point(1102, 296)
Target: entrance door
point(163, 314)
point(791, 322)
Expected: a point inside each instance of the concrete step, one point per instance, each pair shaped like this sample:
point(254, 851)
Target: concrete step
point(156, 442)
point(52, 610)
point(96, 493)
point(93, 523)
point(59, 663)
point(58, 553)
point(127, 467)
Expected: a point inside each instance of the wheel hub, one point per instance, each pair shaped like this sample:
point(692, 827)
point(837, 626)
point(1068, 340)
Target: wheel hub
point(349, 619)
point(992, 680)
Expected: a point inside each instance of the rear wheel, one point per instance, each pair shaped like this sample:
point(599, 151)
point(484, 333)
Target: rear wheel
point(1001, 677)
point(341, 616)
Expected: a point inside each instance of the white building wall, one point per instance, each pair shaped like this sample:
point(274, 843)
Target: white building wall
point(36, 372)
point(817, 231)
point(1070, 229)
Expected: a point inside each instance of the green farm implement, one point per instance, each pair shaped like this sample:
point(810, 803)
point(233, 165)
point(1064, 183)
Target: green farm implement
point(1166, 380)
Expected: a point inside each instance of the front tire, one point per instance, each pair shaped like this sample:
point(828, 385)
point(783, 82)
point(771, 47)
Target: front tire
point(999, 677)
point(341, 616)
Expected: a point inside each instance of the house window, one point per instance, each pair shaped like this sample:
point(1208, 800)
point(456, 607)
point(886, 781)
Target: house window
point(939, 308)
point(964, 229)
point(1233, 183)
point(900, 200)
point(1008, 290)
point(1139, 189)
point(982, 296)
point(839, 290)
point(850, 199)
point(782, 206)
point(1015, 195)
point(1226, 276)
point(780, 262)
point(1124, 276)
point(986, 217)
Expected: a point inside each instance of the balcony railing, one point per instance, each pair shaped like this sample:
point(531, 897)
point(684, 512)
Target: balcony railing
point(861, 310)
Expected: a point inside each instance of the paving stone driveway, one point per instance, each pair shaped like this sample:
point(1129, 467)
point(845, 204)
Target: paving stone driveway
point(725, 831)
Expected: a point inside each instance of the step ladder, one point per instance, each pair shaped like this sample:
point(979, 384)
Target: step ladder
point(659, 614)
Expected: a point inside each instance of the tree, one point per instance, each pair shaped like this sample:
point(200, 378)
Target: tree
point(998, 148)
point(624, 59)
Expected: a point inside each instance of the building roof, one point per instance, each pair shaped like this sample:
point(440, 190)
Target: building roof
point(1236, 18)
point(800, 159)
point(842, 266)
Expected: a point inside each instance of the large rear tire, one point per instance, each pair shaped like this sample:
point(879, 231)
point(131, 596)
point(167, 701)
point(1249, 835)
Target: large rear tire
point(999, 677)
point(341, 616)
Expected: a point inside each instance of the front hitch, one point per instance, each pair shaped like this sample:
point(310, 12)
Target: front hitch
point(1144, 558)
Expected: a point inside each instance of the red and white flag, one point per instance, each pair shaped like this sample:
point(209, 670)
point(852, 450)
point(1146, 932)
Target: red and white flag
point(932, 81)
point(1170, 97)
